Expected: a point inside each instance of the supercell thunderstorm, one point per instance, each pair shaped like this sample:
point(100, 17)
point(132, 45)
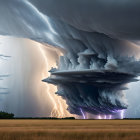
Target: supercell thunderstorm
point(100, 43)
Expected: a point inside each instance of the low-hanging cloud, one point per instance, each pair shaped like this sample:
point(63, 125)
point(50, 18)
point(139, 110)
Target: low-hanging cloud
point(99, 39)
point(4, 57)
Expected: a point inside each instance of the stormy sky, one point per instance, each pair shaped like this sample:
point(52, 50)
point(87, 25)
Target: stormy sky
point(100, 45)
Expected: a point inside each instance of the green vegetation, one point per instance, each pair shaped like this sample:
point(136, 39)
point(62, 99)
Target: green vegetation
point(5, 115)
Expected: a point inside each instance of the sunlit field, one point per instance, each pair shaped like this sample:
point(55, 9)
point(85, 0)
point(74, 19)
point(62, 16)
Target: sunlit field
point(69, 129)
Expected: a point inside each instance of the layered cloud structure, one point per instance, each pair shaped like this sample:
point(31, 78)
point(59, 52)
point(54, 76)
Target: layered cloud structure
point(100, 44)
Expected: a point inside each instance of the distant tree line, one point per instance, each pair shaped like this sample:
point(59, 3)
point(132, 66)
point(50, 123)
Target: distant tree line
point(46, 118)
point(131, 119)
point(5, 115)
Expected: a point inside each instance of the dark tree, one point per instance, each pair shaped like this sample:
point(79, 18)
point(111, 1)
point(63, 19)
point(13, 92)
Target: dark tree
point(5, 115)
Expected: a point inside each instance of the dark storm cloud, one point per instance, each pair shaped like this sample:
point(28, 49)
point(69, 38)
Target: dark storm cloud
point(93, 91)
point(114, 18)
point(98, 38)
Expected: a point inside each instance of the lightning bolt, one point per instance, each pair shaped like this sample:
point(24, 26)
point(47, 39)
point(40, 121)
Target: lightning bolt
point(84, 117)
point(110, 117)
point(99, 117)
point(59, 105)
point(122, 114)
point(55, 111)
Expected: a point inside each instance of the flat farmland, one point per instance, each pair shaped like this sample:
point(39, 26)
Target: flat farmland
point(69, 129)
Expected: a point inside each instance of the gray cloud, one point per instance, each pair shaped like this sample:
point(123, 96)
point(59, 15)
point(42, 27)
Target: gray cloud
point(114, 18)
point(97, 36)
point(4, 57)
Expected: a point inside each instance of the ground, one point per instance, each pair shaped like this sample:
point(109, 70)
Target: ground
point(69, 129)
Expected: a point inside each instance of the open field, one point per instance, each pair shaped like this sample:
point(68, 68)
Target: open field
point(69, 129)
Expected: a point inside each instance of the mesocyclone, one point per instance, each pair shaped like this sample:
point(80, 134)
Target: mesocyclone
point(100, 39)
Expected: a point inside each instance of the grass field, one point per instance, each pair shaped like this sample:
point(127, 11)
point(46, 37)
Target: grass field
point(69, 129)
